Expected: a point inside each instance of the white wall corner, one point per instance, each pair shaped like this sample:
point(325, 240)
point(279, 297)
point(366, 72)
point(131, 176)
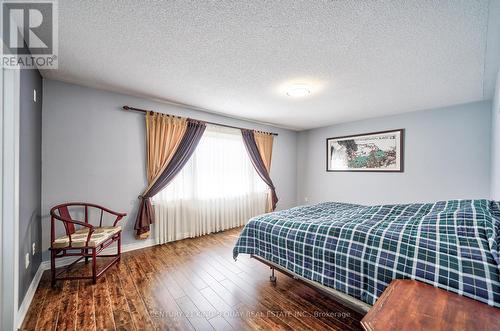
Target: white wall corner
point(495, 144)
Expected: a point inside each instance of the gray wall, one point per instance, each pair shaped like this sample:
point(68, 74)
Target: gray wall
point(30, 144)
point(447, 155)
point(495, 143)
point(94, 151)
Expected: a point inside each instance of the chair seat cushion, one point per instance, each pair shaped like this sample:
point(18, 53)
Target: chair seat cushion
point(79, 238)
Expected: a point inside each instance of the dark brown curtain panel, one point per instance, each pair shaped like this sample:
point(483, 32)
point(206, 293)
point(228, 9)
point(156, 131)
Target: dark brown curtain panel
point(258, 163)
point(191, 138)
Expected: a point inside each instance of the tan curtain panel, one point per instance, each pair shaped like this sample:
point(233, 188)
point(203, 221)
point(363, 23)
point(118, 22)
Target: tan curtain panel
point(264, 142)
point(163, 135)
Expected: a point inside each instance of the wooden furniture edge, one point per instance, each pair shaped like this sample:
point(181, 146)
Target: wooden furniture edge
point(365, 323)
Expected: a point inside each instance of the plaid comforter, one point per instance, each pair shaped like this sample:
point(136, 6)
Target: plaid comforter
point(358, 249)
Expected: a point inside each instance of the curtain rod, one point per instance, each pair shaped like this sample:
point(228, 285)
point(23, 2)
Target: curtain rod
point(218, 124)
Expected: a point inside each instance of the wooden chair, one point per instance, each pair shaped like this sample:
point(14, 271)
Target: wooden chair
point(88, 241)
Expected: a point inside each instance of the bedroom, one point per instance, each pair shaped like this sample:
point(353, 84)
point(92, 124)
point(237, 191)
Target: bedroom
point(375, 124)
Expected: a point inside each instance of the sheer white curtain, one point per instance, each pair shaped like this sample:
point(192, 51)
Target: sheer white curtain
point(218, 189)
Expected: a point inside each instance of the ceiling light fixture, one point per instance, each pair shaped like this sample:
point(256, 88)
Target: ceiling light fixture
point(298, 91)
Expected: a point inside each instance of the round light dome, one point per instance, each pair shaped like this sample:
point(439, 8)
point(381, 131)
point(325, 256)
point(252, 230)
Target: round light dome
point(298, 91)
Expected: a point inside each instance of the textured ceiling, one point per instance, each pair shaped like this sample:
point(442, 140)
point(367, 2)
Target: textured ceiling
point(362, 58)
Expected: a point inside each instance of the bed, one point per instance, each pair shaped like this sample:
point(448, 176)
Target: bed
point(358, 250)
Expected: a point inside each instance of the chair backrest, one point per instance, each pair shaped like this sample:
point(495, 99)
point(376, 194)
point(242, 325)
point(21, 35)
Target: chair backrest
point(64, 213)
point(61, 213)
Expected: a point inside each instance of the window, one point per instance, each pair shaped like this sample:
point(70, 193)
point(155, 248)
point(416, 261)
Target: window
point(217, 189)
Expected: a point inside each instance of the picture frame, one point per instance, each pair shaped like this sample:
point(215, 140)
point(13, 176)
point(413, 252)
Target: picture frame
point(381, 151)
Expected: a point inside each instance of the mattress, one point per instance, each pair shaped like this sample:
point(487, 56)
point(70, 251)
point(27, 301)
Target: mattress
point(359, 250)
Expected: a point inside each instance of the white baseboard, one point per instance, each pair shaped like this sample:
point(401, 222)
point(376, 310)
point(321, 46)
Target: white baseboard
point(28, 297)
point(110, 250)
point(45, 265)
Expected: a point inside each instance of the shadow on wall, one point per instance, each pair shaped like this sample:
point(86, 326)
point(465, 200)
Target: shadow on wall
point(33, 235)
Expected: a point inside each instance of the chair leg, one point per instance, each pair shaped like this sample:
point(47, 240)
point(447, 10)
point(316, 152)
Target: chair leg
point(86, 257)
point(119, 246)
point(94, 266)
point(53, 268)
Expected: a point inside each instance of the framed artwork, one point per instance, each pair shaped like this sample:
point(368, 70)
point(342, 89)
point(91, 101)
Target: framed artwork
point(373, 152)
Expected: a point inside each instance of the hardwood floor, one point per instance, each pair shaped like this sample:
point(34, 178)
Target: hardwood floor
point(192, 284)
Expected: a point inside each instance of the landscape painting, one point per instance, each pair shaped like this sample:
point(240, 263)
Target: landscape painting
point(377, 151)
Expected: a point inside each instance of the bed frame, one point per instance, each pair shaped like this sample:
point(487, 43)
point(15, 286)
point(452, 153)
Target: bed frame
point(345, 299)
